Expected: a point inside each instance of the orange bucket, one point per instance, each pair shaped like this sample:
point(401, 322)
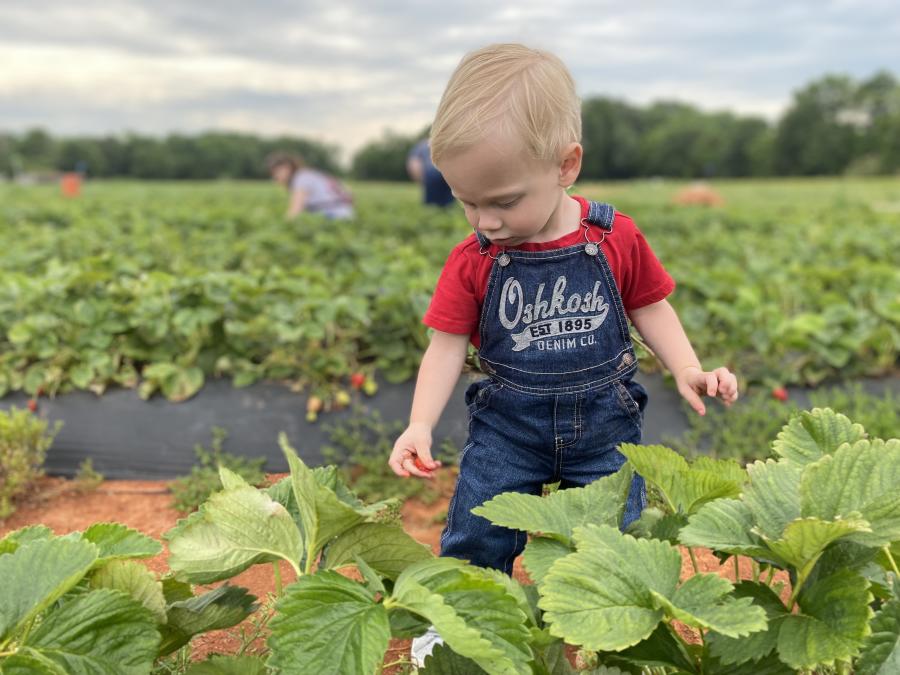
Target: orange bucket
point(71, 184)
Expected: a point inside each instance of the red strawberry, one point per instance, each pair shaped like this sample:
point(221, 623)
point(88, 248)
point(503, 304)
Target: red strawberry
point(419, 465)
point(780, 393)
point(32, 405)
point(357, 380)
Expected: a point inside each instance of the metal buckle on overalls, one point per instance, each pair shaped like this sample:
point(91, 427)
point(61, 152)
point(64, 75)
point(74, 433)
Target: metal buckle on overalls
point(503, 259)
point(592, 248)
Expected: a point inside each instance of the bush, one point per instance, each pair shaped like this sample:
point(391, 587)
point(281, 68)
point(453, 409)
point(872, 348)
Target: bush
point(24, 441)
point(192, 490)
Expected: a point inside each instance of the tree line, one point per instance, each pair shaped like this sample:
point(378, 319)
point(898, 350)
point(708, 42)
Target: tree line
point(834, 125)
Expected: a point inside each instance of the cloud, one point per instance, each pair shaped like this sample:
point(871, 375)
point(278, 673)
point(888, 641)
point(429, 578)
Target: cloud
point(345, 71)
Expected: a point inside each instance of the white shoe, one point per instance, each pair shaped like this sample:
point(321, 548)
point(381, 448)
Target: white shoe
point(423, 645)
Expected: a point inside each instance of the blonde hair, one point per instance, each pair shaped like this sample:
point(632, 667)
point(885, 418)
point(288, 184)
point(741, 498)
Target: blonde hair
point(525, 91)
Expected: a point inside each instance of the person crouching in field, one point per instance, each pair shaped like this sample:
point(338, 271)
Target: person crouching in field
point(544, 288)
point(310, 190)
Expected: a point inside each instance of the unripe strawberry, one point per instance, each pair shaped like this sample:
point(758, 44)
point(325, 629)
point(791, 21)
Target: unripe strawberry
point(357, 380)
point(313, 404)
point(311, 416)
point(780, 393)
point(370, 387)
point(341, 399)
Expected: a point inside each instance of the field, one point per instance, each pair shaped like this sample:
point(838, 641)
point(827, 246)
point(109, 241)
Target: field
point(161, 286)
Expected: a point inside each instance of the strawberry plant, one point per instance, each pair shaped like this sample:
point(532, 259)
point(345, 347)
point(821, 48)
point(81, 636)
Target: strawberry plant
point(162, 287)
point(81, 603)
point(826, 509)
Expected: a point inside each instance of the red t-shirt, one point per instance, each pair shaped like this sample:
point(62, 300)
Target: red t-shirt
point(457, 301)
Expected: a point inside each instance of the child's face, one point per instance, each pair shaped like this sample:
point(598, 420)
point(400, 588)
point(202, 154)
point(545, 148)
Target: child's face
point(508, 196)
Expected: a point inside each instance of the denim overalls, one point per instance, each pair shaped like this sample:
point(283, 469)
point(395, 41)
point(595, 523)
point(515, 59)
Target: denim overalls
point(559, 397)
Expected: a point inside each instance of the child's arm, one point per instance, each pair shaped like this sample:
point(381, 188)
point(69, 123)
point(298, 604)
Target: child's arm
point(438, 374)
point(658, 324)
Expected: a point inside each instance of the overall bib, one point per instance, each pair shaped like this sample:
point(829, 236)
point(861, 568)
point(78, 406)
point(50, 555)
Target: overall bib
point(559, 398)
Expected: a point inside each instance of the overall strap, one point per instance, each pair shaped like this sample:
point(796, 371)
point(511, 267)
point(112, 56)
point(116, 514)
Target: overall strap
point(600, 214)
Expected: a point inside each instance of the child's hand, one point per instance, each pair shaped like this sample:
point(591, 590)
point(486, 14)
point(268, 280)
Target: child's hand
point(412, 453)
point(694, 382)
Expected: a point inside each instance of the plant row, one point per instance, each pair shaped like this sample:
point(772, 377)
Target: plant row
point(816, 528)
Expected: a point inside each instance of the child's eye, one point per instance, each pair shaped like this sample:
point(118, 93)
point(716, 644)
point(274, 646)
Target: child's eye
point(509, 205)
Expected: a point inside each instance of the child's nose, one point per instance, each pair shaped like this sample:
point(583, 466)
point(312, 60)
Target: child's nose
point(488, 223)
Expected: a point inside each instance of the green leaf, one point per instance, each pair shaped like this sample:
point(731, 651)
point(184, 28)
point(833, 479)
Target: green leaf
point(444, 661)
point(182, 384)
point(371, 577)
point(724, 525)
point(175, 590)
point(221, 607)
point(881, 652)
point(23, 536)
point(229, 665)
point(103, 631)
point(703, 601)
point(805, 539)
point(558, 514)
point(474, 614)
point(684, 488)
point(36, 575)
point(388, 549)
point(759, 644)
point(117, 542)
point(326, 623)
point(661, 650)
point(832, 623)
point(726, 469)
point(773, 495)
point(657, 524)
point(539, 555)
point(323, 514)
point(769, 665)
point(857, 480)
point(811, 435)
point(600, 596)
point(137, 581)
point(233, 530)
point(28, 662)
point(231, 480)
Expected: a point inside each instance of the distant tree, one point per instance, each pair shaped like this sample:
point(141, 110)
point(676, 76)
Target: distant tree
point(611, 133)
point(150, 158)
point(77, 153)
point(878, 100)
point(38, 149)
point(10, 160)
point(384, 159)
point(818, 134)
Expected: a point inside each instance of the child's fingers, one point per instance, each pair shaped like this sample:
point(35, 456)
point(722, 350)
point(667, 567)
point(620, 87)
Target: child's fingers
point(693, 399)
point(728, 389)
point(396, 462)
point(712, 383)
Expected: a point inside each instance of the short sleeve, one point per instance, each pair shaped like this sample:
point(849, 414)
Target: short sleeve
point(454, 307)
point(645, 280)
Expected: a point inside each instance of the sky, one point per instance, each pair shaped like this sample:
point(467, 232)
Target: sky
point(344, 72)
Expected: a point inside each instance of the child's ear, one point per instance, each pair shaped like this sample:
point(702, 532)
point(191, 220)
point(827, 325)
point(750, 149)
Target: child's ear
point(570, 164)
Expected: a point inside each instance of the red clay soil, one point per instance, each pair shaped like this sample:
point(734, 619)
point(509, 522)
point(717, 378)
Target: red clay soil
point(146, 506)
